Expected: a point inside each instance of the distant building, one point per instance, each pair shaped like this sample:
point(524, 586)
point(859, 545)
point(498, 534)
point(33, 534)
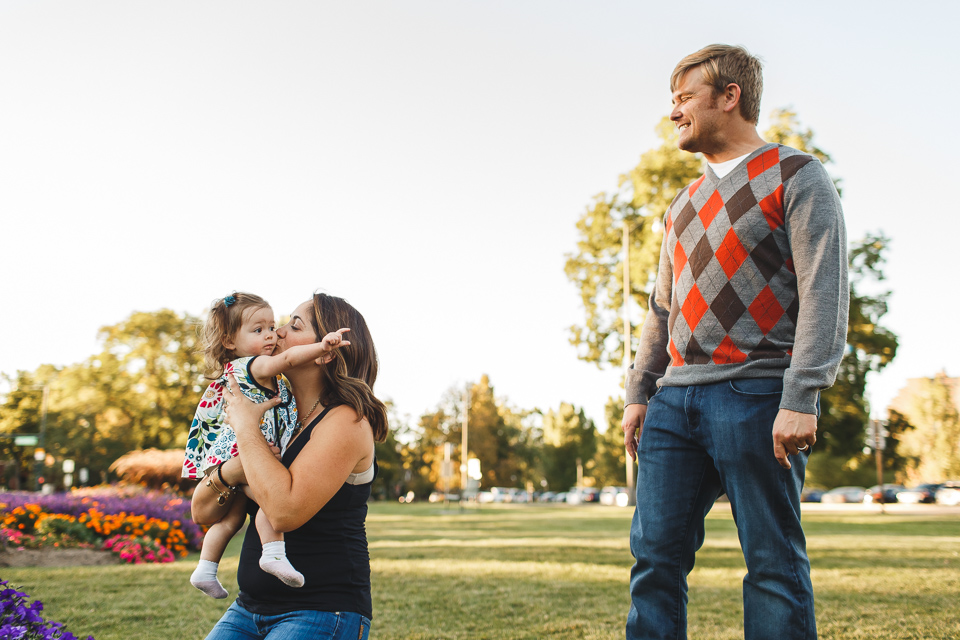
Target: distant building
point(903, 403)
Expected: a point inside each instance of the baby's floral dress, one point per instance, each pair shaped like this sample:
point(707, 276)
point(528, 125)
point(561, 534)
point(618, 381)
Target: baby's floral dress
point(211, 441)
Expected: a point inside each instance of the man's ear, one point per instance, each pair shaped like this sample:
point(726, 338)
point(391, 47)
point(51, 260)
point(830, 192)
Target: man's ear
point(731, 97)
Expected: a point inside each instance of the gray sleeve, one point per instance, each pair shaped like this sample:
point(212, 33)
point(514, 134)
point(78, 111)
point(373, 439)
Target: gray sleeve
point(818, 242)
point(652, 357)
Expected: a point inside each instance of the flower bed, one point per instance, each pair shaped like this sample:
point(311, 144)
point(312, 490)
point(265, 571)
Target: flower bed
point(87, 519)
point(21, 620)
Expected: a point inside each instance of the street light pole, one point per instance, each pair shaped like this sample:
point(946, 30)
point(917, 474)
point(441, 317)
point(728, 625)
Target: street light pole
point(38, 462)
point(463, 445)
point(627, 355)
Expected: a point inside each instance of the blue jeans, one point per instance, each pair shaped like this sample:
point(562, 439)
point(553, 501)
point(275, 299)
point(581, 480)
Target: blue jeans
point(697, 443)
point(239, 624)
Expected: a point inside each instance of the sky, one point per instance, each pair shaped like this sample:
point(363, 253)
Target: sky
point(428, 161)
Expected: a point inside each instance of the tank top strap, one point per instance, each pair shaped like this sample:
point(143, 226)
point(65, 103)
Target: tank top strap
point(304, 437)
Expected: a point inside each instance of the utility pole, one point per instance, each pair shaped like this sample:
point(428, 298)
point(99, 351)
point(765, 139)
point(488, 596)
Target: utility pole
point(463, 444)
point(878, 444)
point(627, 356)
point(38, 460)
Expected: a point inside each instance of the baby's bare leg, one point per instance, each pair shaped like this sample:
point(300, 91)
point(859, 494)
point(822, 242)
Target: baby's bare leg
point(274, 559)
point(214, 544)
point(220, 534)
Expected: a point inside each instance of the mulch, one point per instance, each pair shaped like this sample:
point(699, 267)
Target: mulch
point(56, 557)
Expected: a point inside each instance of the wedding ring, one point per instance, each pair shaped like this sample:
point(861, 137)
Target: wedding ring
point(803, 448)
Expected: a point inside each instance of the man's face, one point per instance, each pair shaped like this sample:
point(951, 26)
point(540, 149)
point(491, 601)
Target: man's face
point(697, 114)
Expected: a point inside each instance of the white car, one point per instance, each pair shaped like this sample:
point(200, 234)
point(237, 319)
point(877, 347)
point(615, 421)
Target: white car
point(949, 493)
point(619, 496)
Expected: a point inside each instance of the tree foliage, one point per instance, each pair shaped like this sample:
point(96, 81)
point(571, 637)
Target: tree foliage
point(568, 437)
point(140, 392)
point(870, 348)
point(596, 268)
point(932, 447)
point(497, 437)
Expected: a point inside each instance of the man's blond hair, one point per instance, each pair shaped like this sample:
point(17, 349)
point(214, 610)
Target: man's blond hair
point(723, 64)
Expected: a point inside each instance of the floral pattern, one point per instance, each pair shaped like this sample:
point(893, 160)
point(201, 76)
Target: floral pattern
point(212, 441)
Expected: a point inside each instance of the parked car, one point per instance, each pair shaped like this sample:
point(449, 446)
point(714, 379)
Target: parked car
point(949, 493)
point(547, 496)
point(439, 496)
point(584, 495)
point(560, 497)
point(925, 493)
point(843, 495)
point(811, 495)
point(887, 494)
point(619, 496)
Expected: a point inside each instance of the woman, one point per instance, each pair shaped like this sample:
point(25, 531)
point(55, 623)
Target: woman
point(316, 494)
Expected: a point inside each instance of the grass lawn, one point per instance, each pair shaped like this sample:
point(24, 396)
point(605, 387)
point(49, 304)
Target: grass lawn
point(524, 572)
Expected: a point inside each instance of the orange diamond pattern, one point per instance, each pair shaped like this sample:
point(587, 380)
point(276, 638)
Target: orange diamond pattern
point(728, 353)
point(772, 207)
point(731, 254)
point(696, 185)
point(676, 360)
point(710, 210)
point(766, 160)
point(694, 307)
point(679, 261)
point(766, 310)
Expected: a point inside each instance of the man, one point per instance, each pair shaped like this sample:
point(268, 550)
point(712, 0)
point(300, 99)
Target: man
point(747, 324)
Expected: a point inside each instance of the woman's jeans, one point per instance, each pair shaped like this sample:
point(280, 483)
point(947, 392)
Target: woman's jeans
point(697, 443)
point(239, 624)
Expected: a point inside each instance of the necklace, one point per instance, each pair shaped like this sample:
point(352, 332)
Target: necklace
point(300, 423)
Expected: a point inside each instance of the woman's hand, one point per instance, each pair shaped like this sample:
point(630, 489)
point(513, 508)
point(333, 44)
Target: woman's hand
point(241, 412)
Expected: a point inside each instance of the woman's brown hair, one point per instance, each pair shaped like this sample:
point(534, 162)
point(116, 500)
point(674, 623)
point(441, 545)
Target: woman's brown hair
point(349, 377)
point(223, 322)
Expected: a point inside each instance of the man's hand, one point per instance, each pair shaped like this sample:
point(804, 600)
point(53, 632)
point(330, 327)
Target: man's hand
point(632, 425)
point(793, 432)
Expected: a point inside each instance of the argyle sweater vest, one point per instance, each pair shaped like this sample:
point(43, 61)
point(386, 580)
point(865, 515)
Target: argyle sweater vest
point(752, 282)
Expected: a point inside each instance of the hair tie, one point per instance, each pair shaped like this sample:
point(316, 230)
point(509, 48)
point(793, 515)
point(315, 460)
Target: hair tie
point(229, 300)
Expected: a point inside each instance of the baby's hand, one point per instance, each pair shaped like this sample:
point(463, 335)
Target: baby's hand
point(332, 341)
point(275, 450)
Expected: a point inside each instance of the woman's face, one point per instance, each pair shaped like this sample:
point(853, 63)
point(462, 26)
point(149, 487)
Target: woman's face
point(299, 330)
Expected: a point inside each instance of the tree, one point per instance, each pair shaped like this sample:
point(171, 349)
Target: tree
point(153, 374)
point(568, 437)
point(610, 461)
point(497, 435)
point(870, 348)
point(140, 392)
point(645, 193)
point(933, 446)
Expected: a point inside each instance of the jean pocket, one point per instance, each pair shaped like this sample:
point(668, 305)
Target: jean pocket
point(757, 387)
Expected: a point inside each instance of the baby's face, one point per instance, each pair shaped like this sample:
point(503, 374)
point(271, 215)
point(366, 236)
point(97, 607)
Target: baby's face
point(257, 335)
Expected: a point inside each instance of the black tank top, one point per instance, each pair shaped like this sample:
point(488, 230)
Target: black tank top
point(330, 550)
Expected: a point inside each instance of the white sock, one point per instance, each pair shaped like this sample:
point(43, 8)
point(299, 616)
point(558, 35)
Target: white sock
point(274, 561)
point(204, 577)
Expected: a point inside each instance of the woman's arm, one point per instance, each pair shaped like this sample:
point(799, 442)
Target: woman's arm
point(264, 368)
point(290, 497)
point(204, 505)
